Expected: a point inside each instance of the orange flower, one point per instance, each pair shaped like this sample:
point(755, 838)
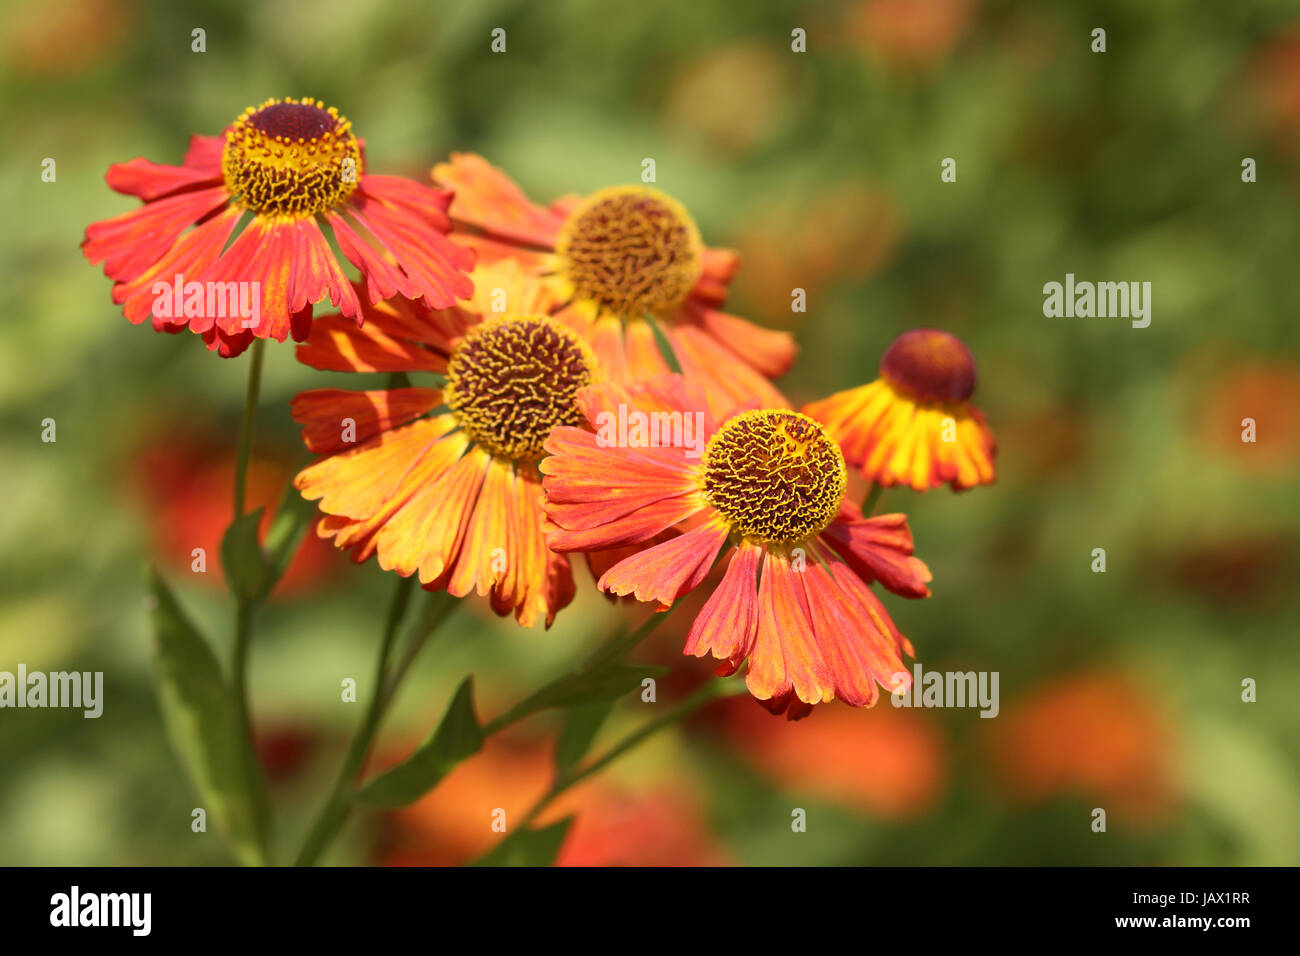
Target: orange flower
point(614, 825)
point(888, 763)
point(769, 489)
point(915, 425)
point(183, 478)
point(623, 259)
point(1093, 733)
point(290, 164)
point(451, 496)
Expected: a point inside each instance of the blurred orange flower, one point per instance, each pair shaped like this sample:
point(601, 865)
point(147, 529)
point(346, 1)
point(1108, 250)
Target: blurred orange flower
point(613, 826)
point(1267, 392)
point(186, 483)
point(887, 762)
point(1093, 733)
point(911, 33)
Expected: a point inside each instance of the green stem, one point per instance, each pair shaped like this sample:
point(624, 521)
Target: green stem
point(338, 807)
point(243, 607)
point(616, 646)
point(571, 778)
point(873, 495)
point(248, 422)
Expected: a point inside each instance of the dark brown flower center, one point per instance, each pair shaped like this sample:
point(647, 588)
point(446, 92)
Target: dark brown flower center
point(931, 365)
point(511, 380)
point(775, 475)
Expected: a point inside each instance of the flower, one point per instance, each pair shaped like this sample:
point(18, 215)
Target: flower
point(1092, 733)
point(628, 262)
point(631, 823)
point(890, 763)
point(284, 166)
point(182, 477)
point(915, 425)
point(769, 490)
point(450, 495)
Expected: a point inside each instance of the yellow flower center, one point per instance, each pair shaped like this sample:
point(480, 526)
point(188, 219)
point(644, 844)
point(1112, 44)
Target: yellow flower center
point(291, 158)
point(775, 475)
point(512, 379)
point(631, 250)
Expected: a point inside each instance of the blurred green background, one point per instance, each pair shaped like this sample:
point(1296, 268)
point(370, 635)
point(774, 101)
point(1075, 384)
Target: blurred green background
point(1119, 690)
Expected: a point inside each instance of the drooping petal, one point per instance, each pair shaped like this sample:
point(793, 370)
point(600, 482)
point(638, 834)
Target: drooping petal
point(880, 549)
point(666, 571)
point(728, 623)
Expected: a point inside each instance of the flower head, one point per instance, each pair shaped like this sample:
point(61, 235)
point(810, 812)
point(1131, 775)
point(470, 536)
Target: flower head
point(628, 264)
point(283, 170)
point(768, 491)
point(443, 482)
point(915, 425)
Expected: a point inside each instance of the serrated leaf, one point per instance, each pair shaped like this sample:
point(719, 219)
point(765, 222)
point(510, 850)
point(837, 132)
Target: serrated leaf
point(529, 846)
point(202, 720)
point(581, 724)
point(458, 736)
point(247, 571)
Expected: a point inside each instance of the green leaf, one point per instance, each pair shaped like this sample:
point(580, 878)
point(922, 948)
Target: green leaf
point(591, 686)
point(247, 571)
point(202, 721)
point(286, 533)
point(458, 736)
point(529, 847)
point(581, 724)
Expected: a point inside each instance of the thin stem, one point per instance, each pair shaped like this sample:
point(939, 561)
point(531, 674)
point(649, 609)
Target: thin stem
point(248, 422)
point(339, 807)
point(571, 778)
point(243, 607)
point(615, 647)
point(869, 503)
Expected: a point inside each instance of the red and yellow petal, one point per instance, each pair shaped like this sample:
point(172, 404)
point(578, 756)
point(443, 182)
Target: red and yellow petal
point(785, 656)
point(666, 571)
point(149, 181)
point(892, 438)
point(727, 625)
point(335, 419)
point(879, 549)
point(488, 199)
point(360, 482)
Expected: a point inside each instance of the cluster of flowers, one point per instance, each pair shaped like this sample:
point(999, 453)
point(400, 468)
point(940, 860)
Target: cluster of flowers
point(538, 320)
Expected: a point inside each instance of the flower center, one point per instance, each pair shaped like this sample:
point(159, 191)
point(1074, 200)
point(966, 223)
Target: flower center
point(631, 250)
point(775, 475)
point(512, 379)
point(291, 158)
point(931, 365)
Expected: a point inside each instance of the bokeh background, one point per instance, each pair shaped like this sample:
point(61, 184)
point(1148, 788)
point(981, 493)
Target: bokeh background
point(1119, 690)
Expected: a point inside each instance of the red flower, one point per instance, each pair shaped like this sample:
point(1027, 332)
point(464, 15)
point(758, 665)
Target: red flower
point(294, 166)
point(768, 490)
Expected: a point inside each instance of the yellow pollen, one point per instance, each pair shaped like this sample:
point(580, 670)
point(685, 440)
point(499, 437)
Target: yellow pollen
point(291, 158)
point(631, 250)
point(514, 378)
point(775, 475)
